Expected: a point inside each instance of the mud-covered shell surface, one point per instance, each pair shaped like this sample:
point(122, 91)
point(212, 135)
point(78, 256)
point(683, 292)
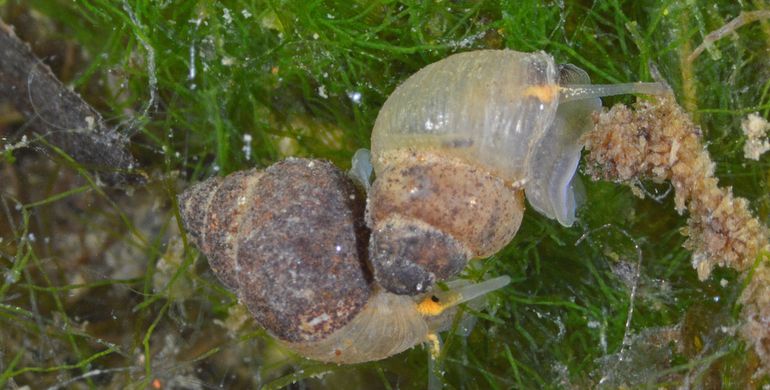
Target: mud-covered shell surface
point(429, 215)
point(290, 241)
point(483, 106)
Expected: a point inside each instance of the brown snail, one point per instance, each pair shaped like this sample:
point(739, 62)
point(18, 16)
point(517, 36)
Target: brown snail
point(456, 147)
point(291, 242)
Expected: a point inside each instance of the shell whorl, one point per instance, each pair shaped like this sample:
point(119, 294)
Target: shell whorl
point(485, 106)
point(290, 241)
point(430, 214)
point(211, 210)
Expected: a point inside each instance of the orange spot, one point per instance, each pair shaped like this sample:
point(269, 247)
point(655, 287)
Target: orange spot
point(544, 93)
point(430, 307)
point(156, 384)
point(337, 352)
point(274, 70)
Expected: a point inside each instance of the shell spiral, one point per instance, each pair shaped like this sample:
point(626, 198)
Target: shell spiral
point(290, 241)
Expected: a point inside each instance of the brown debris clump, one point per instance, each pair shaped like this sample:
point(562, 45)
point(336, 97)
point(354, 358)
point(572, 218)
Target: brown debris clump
point(756, 312)
point(658, 140)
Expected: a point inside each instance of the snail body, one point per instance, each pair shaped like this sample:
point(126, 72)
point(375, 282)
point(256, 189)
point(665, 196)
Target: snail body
point(457, 146)
point(291, 242)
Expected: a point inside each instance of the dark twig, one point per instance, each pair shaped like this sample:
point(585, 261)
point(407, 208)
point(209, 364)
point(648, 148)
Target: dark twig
point(60, 115)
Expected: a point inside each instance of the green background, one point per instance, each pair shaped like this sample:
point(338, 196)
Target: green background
point(101, 289)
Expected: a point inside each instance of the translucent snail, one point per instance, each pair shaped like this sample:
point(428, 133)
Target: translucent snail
point(456, 147)
point(291, 242)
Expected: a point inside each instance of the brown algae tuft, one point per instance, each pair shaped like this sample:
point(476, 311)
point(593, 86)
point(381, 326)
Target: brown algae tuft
point(657, 140)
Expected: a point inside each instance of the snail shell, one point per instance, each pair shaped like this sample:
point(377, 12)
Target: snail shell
point(291, 242)
point(458, 144)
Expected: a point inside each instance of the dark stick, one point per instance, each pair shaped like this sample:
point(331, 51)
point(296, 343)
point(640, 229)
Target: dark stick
point(60, 115)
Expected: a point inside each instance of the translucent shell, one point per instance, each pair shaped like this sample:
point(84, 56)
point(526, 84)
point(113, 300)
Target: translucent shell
point(472, 105)
point(457, 143)
point(498, 110)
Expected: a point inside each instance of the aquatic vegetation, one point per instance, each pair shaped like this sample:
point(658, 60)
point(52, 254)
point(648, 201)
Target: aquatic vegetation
point(102, 288)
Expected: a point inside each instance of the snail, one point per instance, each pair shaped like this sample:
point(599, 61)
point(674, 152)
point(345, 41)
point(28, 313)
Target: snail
point(291, 242)
point(456, 147)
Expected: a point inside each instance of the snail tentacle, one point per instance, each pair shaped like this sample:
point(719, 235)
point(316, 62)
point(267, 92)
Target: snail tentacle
point(587, 91)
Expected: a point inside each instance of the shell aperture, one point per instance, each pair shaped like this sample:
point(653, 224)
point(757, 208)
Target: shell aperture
point(555, 156)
